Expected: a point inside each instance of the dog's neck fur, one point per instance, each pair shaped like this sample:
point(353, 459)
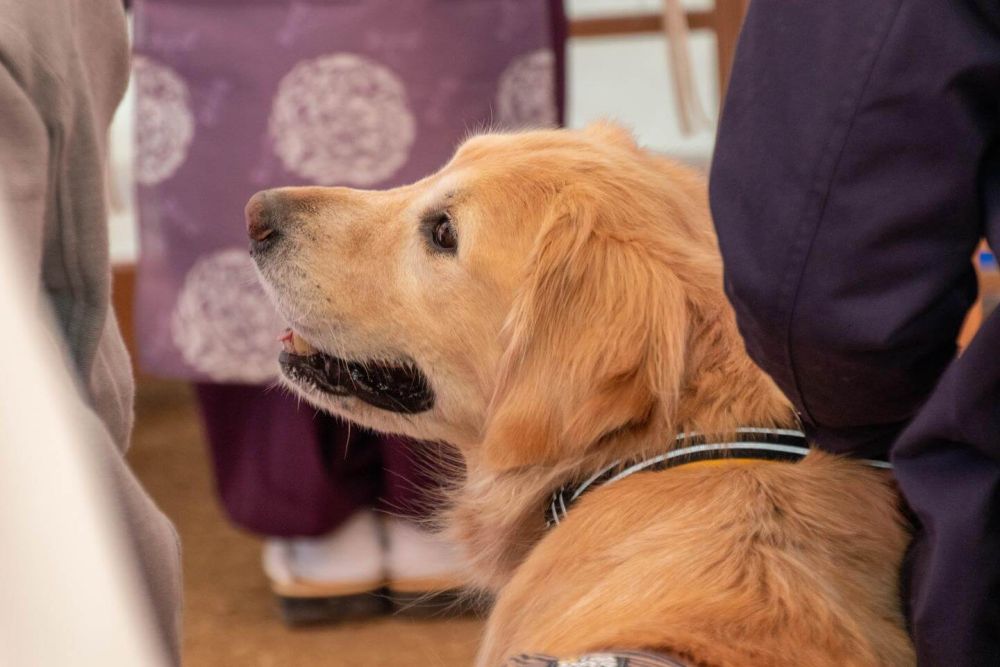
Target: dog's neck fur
point(498, 516)
point(726, 390)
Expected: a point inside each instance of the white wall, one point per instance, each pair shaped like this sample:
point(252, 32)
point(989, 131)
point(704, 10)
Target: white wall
point(626, 78)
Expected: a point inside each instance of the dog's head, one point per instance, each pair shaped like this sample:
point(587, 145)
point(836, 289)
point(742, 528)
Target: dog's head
point(525, 302)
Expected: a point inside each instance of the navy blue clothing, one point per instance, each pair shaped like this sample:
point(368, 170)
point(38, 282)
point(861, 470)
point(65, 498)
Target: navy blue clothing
point(857, 167)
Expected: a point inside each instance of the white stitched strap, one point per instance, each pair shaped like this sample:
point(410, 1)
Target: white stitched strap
point(776, 431)
point(792, 433)
point(552, 507)
point(697, 449)
point(874, 463)
point(583, 487)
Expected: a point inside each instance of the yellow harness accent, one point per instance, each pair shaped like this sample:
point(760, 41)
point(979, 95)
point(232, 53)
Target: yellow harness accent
point(719, 463)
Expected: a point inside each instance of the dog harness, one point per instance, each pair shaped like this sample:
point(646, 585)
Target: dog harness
point(752, 445)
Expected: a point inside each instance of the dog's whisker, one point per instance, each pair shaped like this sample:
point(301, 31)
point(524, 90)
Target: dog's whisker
point(347, 444)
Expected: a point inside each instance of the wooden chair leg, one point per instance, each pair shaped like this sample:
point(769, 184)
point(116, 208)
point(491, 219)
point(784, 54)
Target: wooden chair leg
point(728, 18)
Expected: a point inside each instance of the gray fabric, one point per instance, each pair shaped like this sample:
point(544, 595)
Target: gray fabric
point(63, 69)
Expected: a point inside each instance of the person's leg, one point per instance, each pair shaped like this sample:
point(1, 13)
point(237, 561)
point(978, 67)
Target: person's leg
point(306, 482)
point(420, 563)
point(282, 469)
point(156, 545)
point(854, 173)
point(947, 462)
point(60, 82)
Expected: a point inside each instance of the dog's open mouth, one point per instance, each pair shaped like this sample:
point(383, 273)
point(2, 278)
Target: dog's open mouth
point(394, 387)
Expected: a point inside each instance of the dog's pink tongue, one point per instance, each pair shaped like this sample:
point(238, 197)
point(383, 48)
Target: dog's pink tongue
point(293, 343)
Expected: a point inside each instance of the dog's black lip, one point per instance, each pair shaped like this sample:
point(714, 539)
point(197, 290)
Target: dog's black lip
point(401, 388)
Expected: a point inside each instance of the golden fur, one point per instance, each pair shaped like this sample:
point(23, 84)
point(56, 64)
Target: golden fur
point(583, 320)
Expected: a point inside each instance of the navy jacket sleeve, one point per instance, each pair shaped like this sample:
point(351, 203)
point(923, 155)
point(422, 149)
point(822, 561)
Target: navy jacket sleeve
point(856, 169)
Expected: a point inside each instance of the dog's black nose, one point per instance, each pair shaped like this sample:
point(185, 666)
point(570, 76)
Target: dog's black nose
point(264, 214)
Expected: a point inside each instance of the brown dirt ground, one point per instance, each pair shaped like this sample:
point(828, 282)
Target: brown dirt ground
point(230, 616)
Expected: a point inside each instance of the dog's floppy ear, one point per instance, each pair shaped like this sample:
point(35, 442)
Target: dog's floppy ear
point(597, 338)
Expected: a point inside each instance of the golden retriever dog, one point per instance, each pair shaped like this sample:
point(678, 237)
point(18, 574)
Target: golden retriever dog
point(551, 302)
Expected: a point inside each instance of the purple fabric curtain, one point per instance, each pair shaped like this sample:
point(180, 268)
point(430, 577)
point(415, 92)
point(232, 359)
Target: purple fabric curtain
point(237, 96)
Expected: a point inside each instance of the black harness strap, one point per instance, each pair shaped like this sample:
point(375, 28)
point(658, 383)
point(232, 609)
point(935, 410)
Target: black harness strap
point(753, 443)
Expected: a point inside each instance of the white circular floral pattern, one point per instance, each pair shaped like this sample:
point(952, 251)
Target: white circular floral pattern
point(342, 119)
point(223, 323)
point(526, 95)
point(164, 122)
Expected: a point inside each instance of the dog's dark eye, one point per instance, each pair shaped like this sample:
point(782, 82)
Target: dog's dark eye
point(443, 234)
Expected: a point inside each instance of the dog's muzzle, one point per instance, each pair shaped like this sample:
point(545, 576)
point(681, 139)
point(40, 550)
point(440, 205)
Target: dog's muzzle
point(399, 388)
